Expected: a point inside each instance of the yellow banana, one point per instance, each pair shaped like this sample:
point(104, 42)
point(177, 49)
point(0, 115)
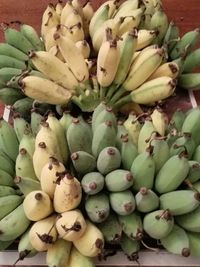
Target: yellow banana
point(84, 48)
point(59, 7)
point(129, 13)
point(72, 19)
point(147, 62)
point(78, 6)
point(107, 61)
point(88, 13)
point(159, 120)
point(54, 50)
point(66, 11)
point(75, 33)
point(49, 39)
point(145, 38)
point(54, 69)
point(170, 69)
point(73, 57)
point(45, 90)
point(49, 19)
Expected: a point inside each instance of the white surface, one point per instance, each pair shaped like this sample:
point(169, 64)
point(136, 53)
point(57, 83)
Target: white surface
point(145, 258)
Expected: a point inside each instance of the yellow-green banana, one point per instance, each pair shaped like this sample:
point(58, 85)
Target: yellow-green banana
point(27, 185)
point(8, 204)
point(170, 69)
point(145, 38)
point(78, 259)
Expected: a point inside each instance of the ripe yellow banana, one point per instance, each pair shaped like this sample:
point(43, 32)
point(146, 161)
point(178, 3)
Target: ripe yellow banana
point(59, 7)
point(73, 57)
point(170, 69)
point(145, 38)
point(49, 40)
point(75, 33)
point(88, 13)
point(159, 120)
point(78, 6)
point(147, 62)
point(66, 11)
point(73, 18)
point(54, 50)
point(45, 90)
point(54, 69)
point(84, 48)
point(107, 61)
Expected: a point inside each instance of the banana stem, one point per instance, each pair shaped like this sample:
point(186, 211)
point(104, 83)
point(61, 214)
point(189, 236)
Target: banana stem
point(103, 92)
point(117, 95)
point(123, 101)
point(111, 91)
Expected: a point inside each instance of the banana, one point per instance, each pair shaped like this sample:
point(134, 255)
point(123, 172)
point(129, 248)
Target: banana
point(177, 119)
point(54, 50)
point(177, 242)
point(72, 19)
point(73, 57)
point(159, 120)
point(27, 185)
point(59, 7)
point(145, 38)
point(28, 143)
point(9, 96)
point(20, 126)
point(172, 36)
point(128, 152)
point(54, 69)
point(6, 179)
point(189, 81)
point(185, 141)
point(78, 259)
point(78, 6)
point(37, 205)
point(8, 204)
point(10, 62)
point(7, 191)
point(133, 127)
point(58, 253)
point(194, 172)
point(45, 90)
point(36, 119)
point(49, 39)
point(88, 13)
point(18, 40)
point(49, 20)
point(74, 33)
point(23, 107)
point(145, 135)
point(130, 247)
point(66, 120)
point(146, 200)
point(84, 48)
point(91, 243)
point(186, 44)
point(8, 140)
point(190, 221)
point(107, 61)
point(192, 61)
point(6, 164)
point(43, 233)
point(18, 219)
point(169, 69)
point(11, 51)
point(148, 60)
point(31, 35)
point(194, 243)
point(126, 6)
point(67, 9)
point(24, 165)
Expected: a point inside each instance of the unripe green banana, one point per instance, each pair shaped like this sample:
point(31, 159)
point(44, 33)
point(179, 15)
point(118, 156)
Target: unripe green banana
point(143, 170)
point(191, 125)
point(66, 120)
point(194, 171)
point(133, 127)
point(43, 233)
point(132, 225)
point(5, 244)
point(91, 243)
point(123, 203)
point(194, 239)
point(180, 201)
point(17, 218)
point(104, 136)
point(6, 74)
point(172, 136)
point(7, 191)
point(158, 224)
point(186, 44)
point(130, 247)
point(177, 242)
point(128, 152)
point(28, 143)
point(119, 180)
point(6, 179)
point(97, 111)
point(171, 36)
point(190, 221)
point(97, 207)
point(182, 143)
point(196, 186)
point(78, 259)
point(8, 140)
point(111, 229)
point(68, 193)
point(79, 136)
point(11, 62)
point(6, 164)
point(8, 204)
point(121, 132)
point(108, 160)
point(20, 126)
point(24, 165)
point(58, 253)
point(10, 95)
point(177, 120)
point(192, 61)
point(83, 162)
point(189, 81)
point(36, 119)
point(179, 167)
point(27, 185)
point(92, 183)
point(146, 200)
point(23, 107)
point(10, 51)
point(196, 155)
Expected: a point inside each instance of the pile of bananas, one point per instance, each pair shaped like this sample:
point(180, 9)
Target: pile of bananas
point(81, 184)
point(123, 53)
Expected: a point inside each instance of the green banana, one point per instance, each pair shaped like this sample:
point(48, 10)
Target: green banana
point(128, 152)
point(66, 120)
point(7, 73)
point(78, 259)
point(190, 221)
point(7, 191)
point(177, 242)
point(196, 186)
point(194, 239)
point(194, 171)
point(8, 140)
point(192, 61)
point(111, 229)
point(83, 162)
point(191, 125)
point(27, 185)
point(130, 247)
point(20, 126)
point(177, 120)
point(6, 179)
point(92, 183)
point(5, 244)
point(123, 203)
point(121, 132)
point(105, 115)
point(10, 62)
point(180, 201)
point(108, 160)
point(17, 219)
point(158, 224)
point(132, 225)
point(189, 81)
point(196, 155)
point(145, 135)
point(97, 111)
point(179, 167)
point(133, 128)
point(18, 40)
point(9, 96)
point(186, 44)
point(10, 51)
point(8, 204)
point(24, 165)
point(171, 36)
point(36, 119)
point(6, 164)
point(28, 143)
point(23, 107)
point(97, 207)
point(146, 200)
point(143, 170)
point(31, 35)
